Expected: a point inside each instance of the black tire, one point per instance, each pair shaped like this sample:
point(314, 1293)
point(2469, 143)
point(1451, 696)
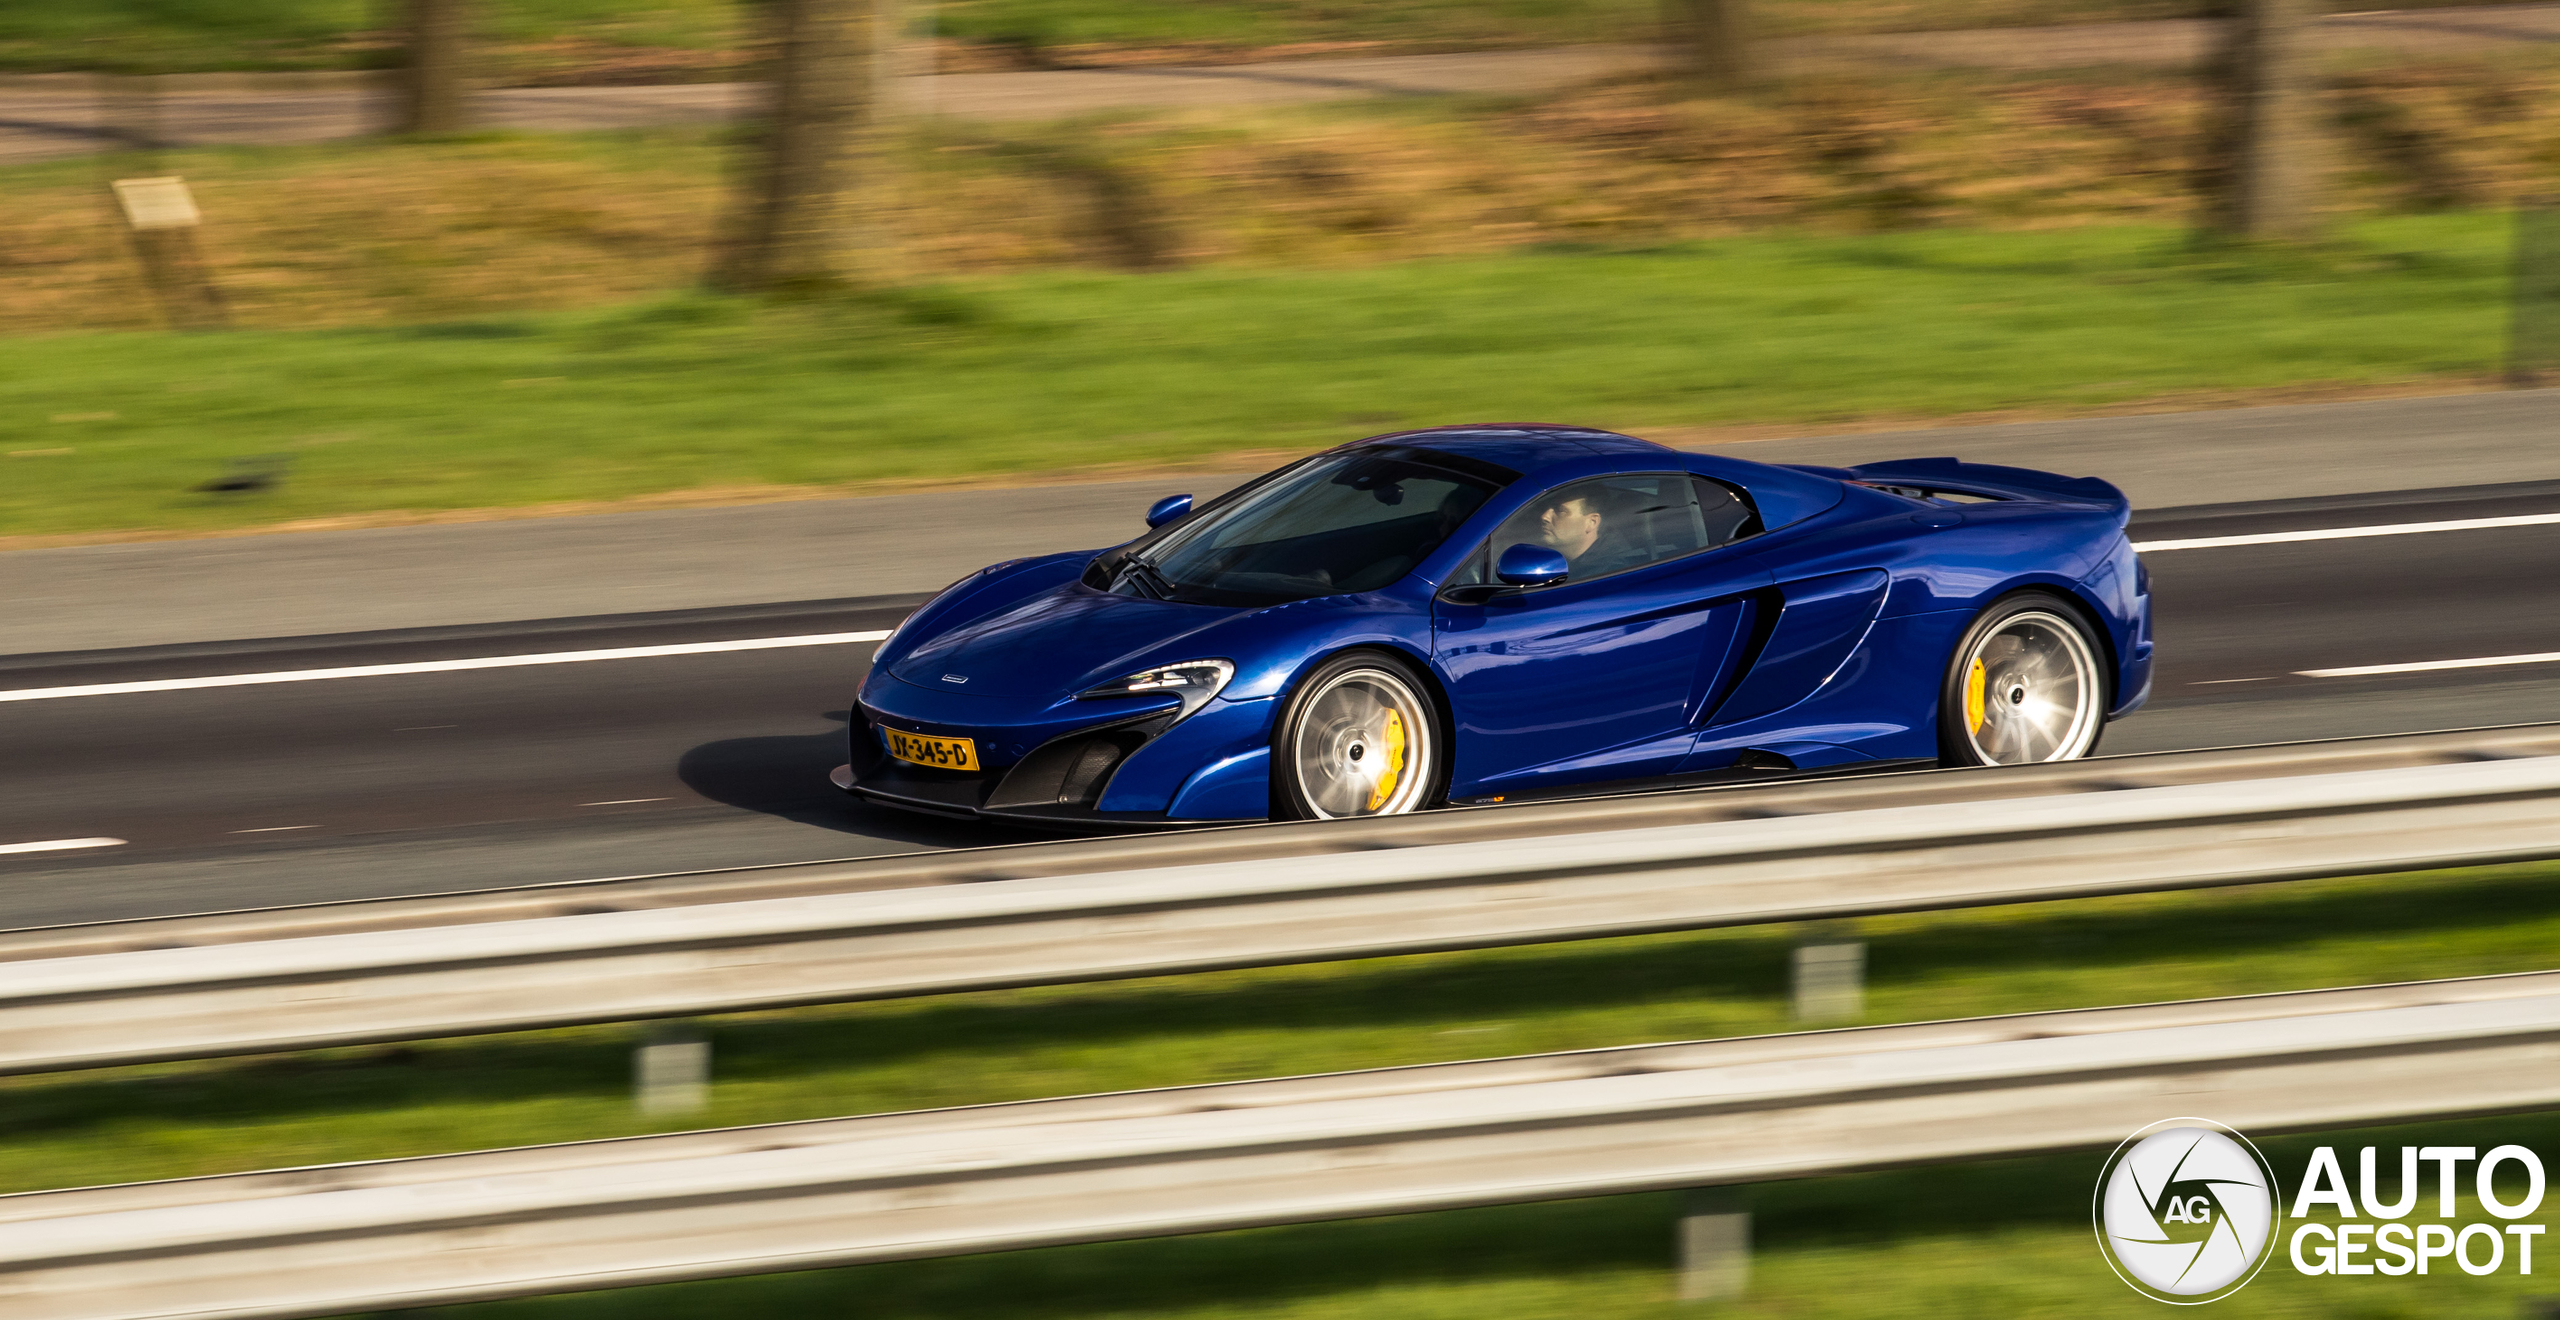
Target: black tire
point(2028, 683)
point(1336, 728)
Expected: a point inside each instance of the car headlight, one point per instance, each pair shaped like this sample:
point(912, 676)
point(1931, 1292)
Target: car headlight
point(1195, 681)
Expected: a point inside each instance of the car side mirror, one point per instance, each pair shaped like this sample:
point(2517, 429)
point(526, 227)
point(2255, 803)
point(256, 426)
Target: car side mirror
point(1531, 566)
point(1167, 509)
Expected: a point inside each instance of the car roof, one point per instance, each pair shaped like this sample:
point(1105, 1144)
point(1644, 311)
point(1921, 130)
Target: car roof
point(1523, 447)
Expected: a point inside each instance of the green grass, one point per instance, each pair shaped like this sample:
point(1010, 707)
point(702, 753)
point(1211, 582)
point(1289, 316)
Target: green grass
point(1051, 371)
point(2010, 1237)
point(195, 36)
point(1999, 1241)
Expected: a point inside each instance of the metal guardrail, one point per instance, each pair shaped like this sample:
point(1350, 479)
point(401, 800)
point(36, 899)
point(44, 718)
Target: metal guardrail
point(323, 1241)
point(414, 981)
point(1744, 801)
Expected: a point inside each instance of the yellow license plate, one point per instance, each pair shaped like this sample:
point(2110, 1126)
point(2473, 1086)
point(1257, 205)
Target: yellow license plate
point(940, 753)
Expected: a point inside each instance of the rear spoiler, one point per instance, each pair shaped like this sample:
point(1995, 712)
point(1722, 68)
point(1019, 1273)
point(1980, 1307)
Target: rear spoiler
point(1989, 481)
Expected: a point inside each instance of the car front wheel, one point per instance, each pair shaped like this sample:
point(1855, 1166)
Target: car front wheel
point(2025, 686)
point(1358, 738)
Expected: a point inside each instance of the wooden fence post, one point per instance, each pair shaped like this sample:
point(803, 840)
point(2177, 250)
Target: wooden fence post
point(162, 216)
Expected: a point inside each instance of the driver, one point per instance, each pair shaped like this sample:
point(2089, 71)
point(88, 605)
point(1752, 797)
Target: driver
point(1572, 526)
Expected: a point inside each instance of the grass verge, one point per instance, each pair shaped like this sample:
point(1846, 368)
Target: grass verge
point(2010, 1240)
point(114, 432)
point(2009, 1237)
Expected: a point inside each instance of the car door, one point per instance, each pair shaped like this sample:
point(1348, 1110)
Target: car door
point(1603, 675)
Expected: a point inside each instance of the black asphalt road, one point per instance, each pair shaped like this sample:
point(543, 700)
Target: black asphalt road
point(357, 787)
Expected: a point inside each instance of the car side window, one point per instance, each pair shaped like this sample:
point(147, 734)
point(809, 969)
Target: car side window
point(1728, 516)
point(1609, 525)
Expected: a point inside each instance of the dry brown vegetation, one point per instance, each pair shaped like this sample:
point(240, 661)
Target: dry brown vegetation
point(370, 234)
point(327, 236)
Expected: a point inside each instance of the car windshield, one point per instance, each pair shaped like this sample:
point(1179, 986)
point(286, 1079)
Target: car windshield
point(1339, 523)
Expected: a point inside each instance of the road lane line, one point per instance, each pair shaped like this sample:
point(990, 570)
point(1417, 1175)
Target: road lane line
point(2483, 662)
point(623, 802)
point(440, 666)
point(60, 845)
point(2344, 533)
point(275, 829)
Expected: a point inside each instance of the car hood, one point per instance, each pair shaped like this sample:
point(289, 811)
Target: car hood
point(1053, 644)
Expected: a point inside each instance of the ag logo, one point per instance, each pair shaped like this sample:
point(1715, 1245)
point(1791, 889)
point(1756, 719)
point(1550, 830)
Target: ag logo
point(2186, 1210)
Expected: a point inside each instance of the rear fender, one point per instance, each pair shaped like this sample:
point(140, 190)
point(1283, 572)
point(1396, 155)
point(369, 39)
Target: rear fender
point(2126, 652)
point(1819, 623)
point(1881, 704)
point(2120, 591)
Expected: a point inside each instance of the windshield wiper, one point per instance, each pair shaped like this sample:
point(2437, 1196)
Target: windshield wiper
point(1149, 579)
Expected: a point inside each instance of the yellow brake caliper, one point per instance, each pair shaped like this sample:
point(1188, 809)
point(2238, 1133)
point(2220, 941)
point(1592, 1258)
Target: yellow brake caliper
point(1391, 745)
point(1973, 703)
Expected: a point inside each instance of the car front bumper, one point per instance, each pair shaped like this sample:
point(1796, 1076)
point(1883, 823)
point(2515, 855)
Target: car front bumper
point(1143, 770)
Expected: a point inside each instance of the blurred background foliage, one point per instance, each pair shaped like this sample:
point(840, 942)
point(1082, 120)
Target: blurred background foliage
point(1828, 245)
point(356, 234)
point(616, 41)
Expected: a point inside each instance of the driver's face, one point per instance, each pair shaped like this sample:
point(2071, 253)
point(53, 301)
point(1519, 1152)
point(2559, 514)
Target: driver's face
point(1570, 526)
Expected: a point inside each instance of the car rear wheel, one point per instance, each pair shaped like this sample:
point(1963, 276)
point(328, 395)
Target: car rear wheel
point(2025, 686)
point(1358, 738)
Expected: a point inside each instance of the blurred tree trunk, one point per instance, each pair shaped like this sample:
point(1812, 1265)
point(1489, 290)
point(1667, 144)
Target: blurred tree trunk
point(788, 216)
point(1711, 41)
point(2264, 149)
point(429, 95)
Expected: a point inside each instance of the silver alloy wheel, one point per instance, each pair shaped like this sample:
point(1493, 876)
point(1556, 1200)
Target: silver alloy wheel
point(2032, 691)
point(1363, 746)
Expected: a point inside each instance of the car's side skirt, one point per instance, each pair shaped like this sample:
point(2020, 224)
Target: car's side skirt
point(1697, 779)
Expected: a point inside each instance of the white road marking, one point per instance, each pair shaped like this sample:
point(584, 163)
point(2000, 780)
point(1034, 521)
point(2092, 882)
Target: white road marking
point(2217, 682)
point(439, 666)
point(2482, 662)
point(2344, 533)
point(60, 845)
point(624, 802)
point(275, 829)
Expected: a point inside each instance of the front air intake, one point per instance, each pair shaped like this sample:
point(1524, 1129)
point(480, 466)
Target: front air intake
point(1071, 771)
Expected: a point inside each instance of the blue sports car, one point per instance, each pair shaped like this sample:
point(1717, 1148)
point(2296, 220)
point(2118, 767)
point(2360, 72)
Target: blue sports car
point(1493, 613)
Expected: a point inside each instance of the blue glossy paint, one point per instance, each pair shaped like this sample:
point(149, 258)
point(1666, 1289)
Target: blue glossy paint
point(1071, 635)
point(1824, 638)
point(1218, 732)
point(1531, 566)
point(1820, 621)
point(1236, 787)
point(1167, 509)
point(1594, 679)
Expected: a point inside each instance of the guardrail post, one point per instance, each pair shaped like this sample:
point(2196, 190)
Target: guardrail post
point(1829, 975)
point(1715, 1245)
point(671, 1071)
